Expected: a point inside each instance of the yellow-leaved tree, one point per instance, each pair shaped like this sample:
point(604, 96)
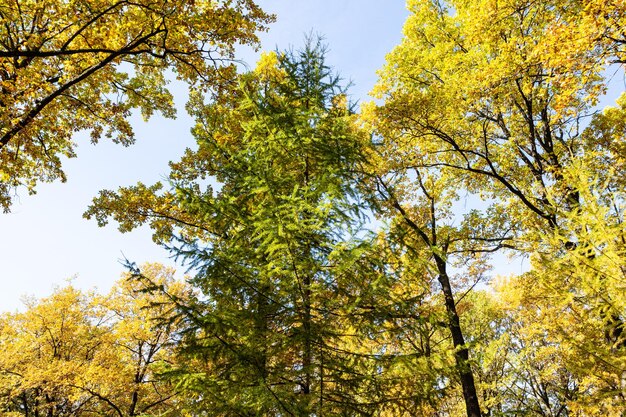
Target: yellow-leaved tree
point(497, 100)
point(80, 354)
point(77, 65)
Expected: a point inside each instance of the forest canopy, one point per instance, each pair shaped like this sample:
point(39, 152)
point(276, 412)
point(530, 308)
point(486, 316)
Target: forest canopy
point(341, 256)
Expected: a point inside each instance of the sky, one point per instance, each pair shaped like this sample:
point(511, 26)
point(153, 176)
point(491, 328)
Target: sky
point(45, 241)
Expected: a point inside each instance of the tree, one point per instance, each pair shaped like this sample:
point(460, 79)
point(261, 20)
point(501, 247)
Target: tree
point(498, 96)
point(419, 202)
point(34, 345)
point(85, 65)
point(272, 244)
point(80, 354)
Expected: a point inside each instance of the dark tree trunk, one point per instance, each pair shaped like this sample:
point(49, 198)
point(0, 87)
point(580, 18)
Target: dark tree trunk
point(461, 354)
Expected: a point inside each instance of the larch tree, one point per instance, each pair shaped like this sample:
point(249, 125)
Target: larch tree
point(67, 66)
point(272, 241)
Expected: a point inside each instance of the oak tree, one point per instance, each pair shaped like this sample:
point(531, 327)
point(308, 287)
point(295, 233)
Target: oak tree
point(67, 66)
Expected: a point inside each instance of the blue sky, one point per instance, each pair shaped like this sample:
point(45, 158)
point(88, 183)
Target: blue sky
point(45, 241)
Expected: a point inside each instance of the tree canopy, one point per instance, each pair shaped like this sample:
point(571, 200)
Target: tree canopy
point(67, 66)
point(81, 354)
point(481, 94)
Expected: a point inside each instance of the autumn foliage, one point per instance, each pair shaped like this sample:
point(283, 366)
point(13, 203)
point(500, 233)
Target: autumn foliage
point(344, 261)
point(67, 66)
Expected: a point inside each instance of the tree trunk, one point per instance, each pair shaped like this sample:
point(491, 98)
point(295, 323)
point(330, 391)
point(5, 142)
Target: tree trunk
point(307, 359)
point(461, 354)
